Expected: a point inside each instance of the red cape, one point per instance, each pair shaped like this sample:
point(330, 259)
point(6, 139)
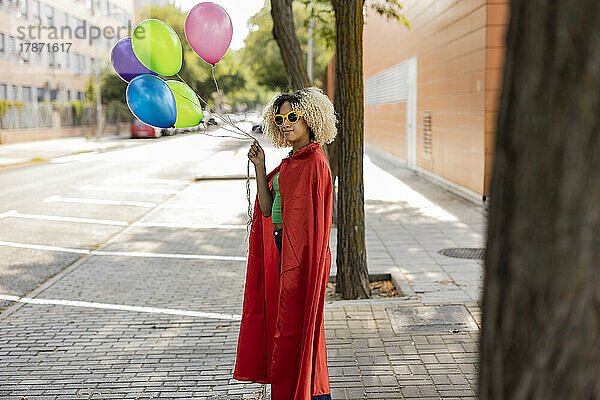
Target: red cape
point(282, 335)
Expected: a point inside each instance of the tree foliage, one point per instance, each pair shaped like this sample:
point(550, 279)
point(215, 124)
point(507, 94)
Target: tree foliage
point(263, 56)
point(323, 11)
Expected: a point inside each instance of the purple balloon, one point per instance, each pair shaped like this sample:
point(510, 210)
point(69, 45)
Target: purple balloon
point(125, 62)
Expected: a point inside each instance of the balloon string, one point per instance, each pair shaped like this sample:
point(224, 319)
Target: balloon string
point(216, 113)
point(214, 79)
point(225, 136)
point(249, 219)
point(229, 130)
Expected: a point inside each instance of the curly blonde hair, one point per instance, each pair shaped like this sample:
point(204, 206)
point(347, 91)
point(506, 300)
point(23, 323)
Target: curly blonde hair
point(317, 110)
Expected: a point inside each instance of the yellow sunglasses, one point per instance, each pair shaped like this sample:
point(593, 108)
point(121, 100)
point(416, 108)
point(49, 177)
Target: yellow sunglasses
point(292, 116)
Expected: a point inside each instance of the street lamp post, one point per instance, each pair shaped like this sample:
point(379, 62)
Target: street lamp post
point(309, 58)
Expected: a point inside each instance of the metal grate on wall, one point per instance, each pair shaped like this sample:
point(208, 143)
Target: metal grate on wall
point(427, 135)
point(388, 86)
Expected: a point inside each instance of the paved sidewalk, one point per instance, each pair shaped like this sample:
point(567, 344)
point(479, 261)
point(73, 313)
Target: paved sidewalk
point(44, 150)
point(81, 350)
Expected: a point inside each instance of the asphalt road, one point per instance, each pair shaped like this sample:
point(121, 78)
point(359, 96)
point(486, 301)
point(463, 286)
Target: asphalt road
point(78, 203)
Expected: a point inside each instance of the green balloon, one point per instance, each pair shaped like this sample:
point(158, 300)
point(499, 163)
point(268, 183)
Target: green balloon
point(189, 111)
point(157, 46)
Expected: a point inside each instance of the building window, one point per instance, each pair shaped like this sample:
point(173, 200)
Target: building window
point(68, 61)
point(2, 45)
point(51, 60)
point(12, 48)
point(21, 6)
point(3, 91)
point(49, 14)
point(23, 56)
point(15, 93)
point(34, 11)
point(53, 94)
point(80, 96)
point(27, 94)
point(76, 23)
point(41, 95)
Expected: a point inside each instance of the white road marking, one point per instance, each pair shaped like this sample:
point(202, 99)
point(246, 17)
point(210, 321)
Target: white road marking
point(166, 255)
point(187, 226)
point(154, 310)
point(151, 180)
point(74, 157)
point(43, 247)
point(145, 204)
point(122, 253)
point(126, 190)
point(15, 214)
point(181, 206)
point(8, 213)
point(69, 219)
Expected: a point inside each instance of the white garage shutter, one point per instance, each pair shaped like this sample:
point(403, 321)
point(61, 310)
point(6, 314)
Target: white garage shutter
point(388, 86)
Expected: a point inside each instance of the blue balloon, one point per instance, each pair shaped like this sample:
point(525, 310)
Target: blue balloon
point(151, 100)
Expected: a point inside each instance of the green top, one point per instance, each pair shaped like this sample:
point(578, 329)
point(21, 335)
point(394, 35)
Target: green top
point(276, 208)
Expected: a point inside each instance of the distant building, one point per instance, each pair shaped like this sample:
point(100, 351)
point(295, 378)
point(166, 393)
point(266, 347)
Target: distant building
point(48, 48)
point(158, 3)
point(141, 4)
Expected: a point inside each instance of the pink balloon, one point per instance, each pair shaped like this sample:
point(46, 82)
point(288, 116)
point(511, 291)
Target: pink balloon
point(208, 30)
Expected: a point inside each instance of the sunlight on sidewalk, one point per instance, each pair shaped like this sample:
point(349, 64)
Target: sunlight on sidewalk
point(382, 186)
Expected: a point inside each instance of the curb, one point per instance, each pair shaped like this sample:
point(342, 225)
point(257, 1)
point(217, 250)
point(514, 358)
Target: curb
point(405, 291)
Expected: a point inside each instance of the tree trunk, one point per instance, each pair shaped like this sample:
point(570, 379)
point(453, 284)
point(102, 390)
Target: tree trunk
point(541, 302)
point(352, 280)
point(331, 150)
point(285, 36)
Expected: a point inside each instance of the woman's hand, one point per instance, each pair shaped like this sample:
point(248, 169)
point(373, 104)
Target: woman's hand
point(256, 154)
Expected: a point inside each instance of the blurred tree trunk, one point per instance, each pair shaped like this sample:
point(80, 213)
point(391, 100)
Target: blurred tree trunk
point(352, 280)
point(284, 33)
point(541, 302)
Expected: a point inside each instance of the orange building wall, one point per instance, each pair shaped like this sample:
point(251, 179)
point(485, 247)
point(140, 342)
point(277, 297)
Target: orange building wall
point(386, 127)
point(449, 40)
point(497, 24)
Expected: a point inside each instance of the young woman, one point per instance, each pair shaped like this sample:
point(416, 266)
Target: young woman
point(282, 336)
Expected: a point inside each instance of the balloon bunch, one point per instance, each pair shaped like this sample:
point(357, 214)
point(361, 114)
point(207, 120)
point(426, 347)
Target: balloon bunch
point(155, 49)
